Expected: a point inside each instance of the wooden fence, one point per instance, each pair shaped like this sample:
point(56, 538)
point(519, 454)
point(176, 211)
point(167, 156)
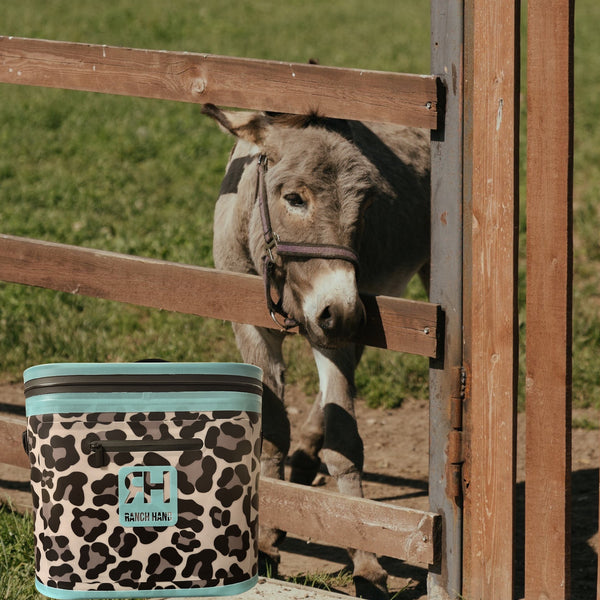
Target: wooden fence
point(393, 323)
point(492, 108)
point(470, 329)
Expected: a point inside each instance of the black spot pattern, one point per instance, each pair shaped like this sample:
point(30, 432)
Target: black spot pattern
point(81, 543)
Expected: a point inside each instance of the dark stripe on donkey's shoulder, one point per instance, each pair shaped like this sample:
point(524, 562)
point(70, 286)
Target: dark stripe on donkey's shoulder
point(234, 173)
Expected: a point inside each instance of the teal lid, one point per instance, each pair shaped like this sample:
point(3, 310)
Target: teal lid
point(141, 368)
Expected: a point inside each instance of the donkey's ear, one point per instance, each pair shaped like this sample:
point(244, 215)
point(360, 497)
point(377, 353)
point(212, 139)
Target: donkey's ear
point(249, 126)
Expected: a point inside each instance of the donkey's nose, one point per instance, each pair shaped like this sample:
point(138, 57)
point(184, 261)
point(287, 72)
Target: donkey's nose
point(332, 309)
point(336, 320)
point(327, 320)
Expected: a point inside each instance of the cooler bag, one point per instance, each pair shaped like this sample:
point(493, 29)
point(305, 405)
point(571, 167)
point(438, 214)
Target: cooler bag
point(144, 478)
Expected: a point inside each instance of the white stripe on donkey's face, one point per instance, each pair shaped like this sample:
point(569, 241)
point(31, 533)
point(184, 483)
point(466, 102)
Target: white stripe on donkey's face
point(332, 307)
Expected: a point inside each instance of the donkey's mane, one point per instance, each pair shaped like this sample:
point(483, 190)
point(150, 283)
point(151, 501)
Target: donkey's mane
point(311, 119)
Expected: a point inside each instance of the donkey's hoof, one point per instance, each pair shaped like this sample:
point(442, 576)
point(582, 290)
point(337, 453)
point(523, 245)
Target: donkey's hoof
point(268, 553)
point(370, 578)
point(371, 590)
point(304, 468)
point(269, 539)
point(268, 565)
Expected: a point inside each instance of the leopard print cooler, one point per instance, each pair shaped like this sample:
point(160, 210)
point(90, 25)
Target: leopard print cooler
point(144, 478)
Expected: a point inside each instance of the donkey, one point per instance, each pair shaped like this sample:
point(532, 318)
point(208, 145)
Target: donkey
point(320, 207)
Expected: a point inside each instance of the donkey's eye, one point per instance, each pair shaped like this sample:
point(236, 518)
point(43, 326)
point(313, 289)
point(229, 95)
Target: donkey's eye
point(295, 200)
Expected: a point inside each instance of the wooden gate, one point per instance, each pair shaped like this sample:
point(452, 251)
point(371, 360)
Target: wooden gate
point(469, 330)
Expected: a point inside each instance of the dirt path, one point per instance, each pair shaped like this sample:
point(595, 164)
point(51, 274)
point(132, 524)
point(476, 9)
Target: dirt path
point(396, 457)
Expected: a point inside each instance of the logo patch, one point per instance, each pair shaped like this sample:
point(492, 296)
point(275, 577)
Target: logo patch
point(147, 496)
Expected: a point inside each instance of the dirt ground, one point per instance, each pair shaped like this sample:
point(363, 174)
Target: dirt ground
point(396, 456)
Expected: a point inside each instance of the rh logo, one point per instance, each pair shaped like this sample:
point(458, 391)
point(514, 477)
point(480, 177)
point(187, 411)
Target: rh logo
point(147, 496)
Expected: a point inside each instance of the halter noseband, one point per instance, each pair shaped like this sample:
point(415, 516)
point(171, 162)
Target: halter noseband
point(290, 250)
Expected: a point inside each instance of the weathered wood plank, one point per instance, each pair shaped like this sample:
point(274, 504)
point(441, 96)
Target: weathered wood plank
point(393, 323)
point(385, 529)
point(239, 82)
point(11, 449)
point(446, 289)
point(491, 151)
point(549, 298)
point(276, 589)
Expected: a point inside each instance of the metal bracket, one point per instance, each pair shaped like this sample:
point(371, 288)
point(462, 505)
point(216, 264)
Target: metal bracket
point(455, 438)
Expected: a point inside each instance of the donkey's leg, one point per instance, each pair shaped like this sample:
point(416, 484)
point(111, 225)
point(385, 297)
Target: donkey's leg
point(305, 460)
point(343, 451)
point(262, 347)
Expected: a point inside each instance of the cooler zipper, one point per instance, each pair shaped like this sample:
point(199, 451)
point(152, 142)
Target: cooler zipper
point(98, 448)
point(88, 384)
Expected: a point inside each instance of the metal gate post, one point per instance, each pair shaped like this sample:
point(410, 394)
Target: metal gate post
point(445, 418)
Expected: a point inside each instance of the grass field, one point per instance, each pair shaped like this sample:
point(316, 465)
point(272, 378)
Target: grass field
point(141, 177)
point(17, 569)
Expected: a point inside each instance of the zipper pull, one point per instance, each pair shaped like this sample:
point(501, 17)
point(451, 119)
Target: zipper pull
point(98, 455)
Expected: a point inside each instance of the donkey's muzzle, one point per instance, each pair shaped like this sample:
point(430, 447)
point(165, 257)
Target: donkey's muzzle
point(339, 323)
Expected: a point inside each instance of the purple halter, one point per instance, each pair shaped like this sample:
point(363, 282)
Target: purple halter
point(289, 250)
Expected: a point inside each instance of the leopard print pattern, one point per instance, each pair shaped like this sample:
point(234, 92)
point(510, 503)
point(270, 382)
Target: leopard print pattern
point(81, 544)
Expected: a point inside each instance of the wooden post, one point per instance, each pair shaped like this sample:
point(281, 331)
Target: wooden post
point(549, 298)
point(445, 495)
point(491, 211)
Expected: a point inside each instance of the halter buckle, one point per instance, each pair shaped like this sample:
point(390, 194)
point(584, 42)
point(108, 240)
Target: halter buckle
point(272, 244)
point(281, 326)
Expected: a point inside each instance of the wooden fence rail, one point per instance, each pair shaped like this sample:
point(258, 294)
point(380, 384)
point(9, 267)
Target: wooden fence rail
point(240, 82)
point(393, 323)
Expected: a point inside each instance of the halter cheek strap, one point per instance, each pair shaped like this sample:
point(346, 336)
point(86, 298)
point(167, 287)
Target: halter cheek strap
point(288, 250)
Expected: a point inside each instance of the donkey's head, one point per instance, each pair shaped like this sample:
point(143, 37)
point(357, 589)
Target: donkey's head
point(316, 186)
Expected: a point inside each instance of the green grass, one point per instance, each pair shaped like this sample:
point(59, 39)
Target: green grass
point(141, 176)
point(16, 551)
point(585, 423)
point(586, 297)
point(323, 580)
